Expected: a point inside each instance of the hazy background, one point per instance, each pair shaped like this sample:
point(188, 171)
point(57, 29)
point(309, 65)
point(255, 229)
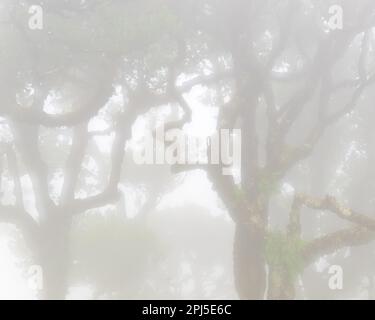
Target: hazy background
point(78, 94)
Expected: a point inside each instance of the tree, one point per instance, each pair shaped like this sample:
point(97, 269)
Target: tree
point(274, 69)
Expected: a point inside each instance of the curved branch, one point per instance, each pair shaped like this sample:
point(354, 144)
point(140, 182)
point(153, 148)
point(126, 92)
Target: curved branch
point(341, 239)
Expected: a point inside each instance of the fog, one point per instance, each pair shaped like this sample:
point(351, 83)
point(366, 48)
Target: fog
point(273, 199)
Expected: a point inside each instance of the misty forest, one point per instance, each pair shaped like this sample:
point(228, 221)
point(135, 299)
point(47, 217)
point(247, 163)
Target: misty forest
point(77, 93)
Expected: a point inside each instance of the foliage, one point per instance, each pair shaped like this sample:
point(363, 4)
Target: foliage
point(268, 183)
point(284, 252)
point(125, 27)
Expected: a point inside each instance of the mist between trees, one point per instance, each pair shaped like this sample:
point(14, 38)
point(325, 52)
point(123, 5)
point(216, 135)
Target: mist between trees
point(82, 82)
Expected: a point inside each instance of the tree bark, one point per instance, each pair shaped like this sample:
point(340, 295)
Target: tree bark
point(280, 285)
point(249, 262)
point(54, 257)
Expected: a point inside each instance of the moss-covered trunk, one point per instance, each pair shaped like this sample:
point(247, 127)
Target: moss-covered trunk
point(280, 284)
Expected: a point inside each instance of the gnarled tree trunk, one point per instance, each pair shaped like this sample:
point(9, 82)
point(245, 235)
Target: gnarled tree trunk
point(249, 262)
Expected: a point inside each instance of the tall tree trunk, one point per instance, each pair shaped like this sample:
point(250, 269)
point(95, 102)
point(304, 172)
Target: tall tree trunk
point(54, 257)
point(249, 262)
